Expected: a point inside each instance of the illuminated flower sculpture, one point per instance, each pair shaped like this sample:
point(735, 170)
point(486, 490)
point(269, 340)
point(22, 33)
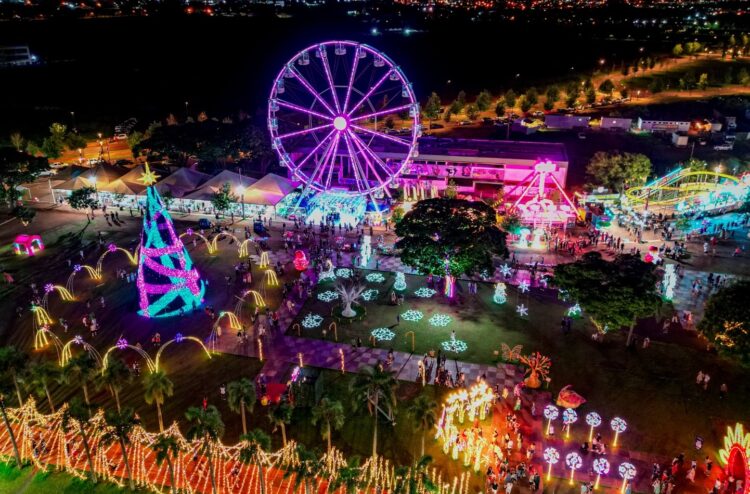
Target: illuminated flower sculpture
point(168, 284)
point(574, 462)
point(618, 426)
point(627, 472)
point(551, 456)
point(551, 412)
point(601, 467)
point(424, 292)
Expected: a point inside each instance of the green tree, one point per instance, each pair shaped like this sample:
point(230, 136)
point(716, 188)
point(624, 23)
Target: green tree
point(618, 170)
point(165, 448)
point(451, 190)
point(656, 86)
point(74, 141)
point(525, 104)
point(330, 415)
point(606, 87)
point(510, 98)
point(80, 370)
point(83, 198)
point(241, 398)
point(456, 234)
point(423, 411)
point(456, 107)
point(77, 415)
point(614, 293)
point(134, 139)
point(447, 115)
point(548, 105)
point(349, 476)
point(17, 168)
point(743, 77)
point(532, 96)
point(726, 321)
point(415, 479)
point(432, 109)
point(24, 214)
point(484, 100)
point(280, 416)
point(156, 388)
point(553, 94)
point(206, 426)
point(461, 99)
point(305, 470)
point(677, 50)
point(472, 112)
point(703, 81)
point(253, 448)
point(13, 365)
point(167, 197)
point(500, 108)
point(120, 426)
point(223, 198)
point(590, 95)
point(40, 376)
point(9, 429)
point(114, 377)
point(16, 140)
point(374, 387)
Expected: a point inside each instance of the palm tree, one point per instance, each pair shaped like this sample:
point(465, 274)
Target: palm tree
point(79, 413)
point(11, 434)
point(370, 386)
point(306, 470)
point(206, 425)
point(415, 479)
point(41, 375)
point(13, 363)
point(80, 370)
point(349, 476)
point(254, 444)
point(165, 447)
point(330, 414)
point(114, 377)
point(121, 424)
point(156, 387)
point(279, 416)
point(241, 397)
point(423, 411)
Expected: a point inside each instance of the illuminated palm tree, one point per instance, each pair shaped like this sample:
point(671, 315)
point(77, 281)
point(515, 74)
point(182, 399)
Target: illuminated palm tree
point(156, 387)
point(330, 414)
point(252, 452)
point(13, 364)
point(165, 448)
point(114, 377)
point(241, 398)
point(279, 416)
point(79, 413)
point(41, 375)
point(121, 424)
point(306, 469)
point(370, 386)
point(206, 425)
point(423, 411)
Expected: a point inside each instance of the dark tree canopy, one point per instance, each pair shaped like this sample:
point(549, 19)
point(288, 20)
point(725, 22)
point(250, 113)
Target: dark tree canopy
point(463, 233)
point(614, 293)
point(726, 322)
point(16, 168)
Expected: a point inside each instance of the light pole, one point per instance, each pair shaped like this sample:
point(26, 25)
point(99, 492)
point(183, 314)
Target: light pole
point(241, 192)
point(186, 110)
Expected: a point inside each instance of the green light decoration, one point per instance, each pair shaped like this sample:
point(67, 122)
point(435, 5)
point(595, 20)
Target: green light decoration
point(424, 292)
point(400, 283)
point(328, 296)
point(167, 282)
point(456, 346)
point(370, 295)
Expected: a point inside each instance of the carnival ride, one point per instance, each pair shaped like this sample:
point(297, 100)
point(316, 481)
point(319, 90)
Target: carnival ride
point(687, 190)
point(329, 110)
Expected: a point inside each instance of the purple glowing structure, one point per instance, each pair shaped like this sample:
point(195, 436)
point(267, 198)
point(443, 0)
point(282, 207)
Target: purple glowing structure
point(333, 114)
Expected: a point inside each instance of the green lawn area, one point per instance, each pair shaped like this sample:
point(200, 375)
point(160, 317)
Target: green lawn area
point(31, 481)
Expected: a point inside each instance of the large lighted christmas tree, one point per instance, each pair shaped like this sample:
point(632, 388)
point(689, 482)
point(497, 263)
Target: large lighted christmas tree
point(168, 284)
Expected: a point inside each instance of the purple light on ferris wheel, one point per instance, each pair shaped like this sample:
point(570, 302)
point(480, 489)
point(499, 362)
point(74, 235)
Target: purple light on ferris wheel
point(327, 112)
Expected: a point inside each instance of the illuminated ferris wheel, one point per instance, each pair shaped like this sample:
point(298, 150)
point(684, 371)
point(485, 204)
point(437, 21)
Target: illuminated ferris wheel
point(344, 118)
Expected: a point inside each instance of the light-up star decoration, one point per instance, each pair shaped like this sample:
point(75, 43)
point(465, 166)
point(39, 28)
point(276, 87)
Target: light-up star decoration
point(122, 344)
point(522, 310)
point(505, 270)
point(148, 177)
point(523, 287)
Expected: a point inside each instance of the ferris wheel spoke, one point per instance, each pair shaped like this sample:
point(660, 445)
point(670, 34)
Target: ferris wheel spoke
point(334, 152)
point(312, 90)
point(320, 162)
point(381, 135)
point(316, 148)
point(372, 90)
point(302, 109)
point(304, 131)
point(365, 150)
point(359, 177)
point(351, 79)
point(327, 69)
point(382, 112)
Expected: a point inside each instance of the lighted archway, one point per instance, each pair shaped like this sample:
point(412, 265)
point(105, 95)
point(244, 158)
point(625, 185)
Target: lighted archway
point(734, 455)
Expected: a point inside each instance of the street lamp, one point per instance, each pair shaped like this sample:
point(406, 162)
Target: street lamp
point(241, 192)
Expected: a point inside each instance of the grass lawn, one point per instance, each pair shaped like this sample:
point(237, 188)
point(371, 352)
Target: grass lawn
point(31, 481)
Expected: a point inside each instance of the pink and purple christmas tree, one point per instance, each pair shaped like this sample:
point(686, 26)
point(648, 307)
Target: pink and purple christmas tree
point(168, 284)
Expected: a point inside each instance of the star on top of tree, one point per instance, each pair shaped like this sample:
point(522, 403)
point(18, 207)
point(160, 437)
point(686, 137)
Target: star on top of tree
point(148, 177)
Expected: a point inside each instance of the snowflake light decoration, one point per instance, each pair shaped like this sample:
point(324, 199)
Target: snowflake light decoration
point(78, 339)
point(440, 320)
point(505, 270)
point(122, 344)
point(326, 275)
point(112, 248)
point(49, 287)
point(412, 315)
point(312, 321)
point(424, 292)
point(522, 310)
point(551, 455)
point(383, 334)
point(77, 268)
point(523, 287)
point(627, 471)
point(456, 346)
point(574, 461)
point(593, 419)
point(375, 278)
point(328, 296)
point(370, 295)
point(574, 311)
point(179, 338)
point(344, 273)
point(551, 412)
point(601, 466)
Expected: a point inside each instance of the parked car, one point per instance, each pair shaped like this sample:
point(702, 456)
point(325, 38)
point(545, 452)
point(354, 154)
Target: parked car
point(204, 223)
point(582, 135)
point(121, 136)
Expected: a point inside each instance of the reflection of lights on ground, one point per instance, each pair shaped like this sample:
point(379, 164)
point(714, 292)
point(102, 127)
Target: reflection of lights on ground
point(456, 346)
point(328, 296)
point(440, 320)
point(375, 278)
point(312, 321)
point(370, 295)
point(424, 292)
point(383, 334)
point(412, 315)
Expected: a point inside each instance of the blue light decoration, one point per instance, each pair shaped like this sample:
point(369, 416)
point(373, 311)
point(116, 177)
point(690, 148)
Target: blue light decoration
point(400, 284)
point(168, 284)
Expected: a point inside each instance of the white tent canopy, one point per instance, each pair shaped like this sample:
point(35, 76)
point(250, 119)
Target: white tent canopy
point(236, 183)
point(268, 191)
point(181, 182)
